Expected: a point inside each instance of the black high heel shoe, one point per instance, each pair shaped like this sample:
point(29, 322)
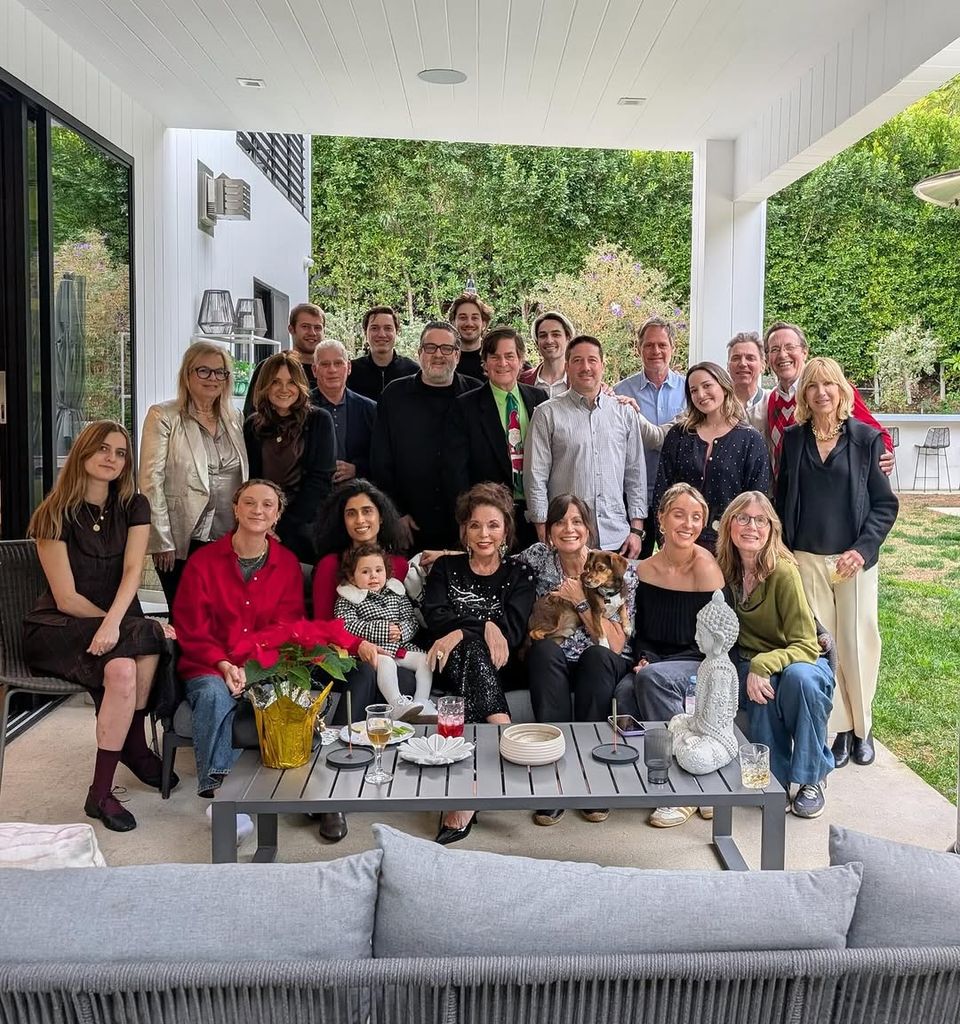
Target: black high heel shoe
point(448, 835)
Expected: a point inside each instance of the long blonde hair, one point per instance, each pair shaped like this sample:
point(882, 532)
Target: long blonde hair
point(773, 551)
point(67, 495)
point(191, 357)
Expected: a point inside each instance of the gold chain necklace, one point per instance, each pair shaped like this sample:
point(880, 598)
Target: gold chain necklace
point(829, 436)
point(95, 523)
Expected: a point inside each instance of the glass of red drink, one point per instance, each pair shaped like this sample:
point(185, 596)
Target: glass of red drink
point(450, 716)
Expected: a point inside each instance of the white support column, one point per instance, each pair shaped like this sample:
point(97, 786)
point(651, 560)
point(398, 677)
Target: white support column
point(727, 262)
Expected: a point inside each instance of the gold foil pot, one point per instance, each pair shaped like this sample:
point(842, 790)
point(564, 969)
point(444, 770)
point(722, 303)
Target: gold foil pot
point(286, 731)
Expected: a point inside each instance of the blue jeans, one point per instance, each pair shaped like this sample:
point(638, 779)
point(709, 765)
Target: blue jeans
point(794, 724)
point(213, 708)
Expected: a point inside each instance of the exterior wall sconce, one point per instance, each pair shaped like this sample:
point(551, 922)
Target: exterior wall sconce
point(220, 198)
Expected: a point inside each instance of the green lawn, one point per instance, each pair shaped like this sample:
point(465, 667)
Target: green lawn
point(917, 708)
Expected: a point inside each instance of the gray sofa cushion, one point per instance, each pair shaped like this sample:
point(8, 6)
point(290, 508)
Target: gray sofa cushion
point(438, 902)
point(908, 897)
point(191, 912)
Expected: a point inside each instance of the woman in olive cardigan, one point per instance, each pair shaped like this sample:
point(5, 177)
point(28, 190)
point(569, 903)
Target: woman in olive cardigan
point(786, 685)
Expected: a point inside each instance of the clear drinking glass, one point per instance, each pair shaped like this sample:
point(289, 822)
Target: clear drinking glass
point(755, 765)
point(450, 716)
point(657, 755)
point(379, 731)
point(831, 563)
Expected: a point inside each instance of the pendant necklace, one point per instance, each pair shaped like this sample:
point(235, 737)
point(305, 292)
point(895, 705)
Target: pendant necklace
point(95, 523)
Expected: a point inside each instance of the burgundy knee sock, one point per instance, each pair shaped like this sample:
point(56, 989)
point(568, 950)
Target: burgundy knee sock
point(103, 772)
point(135, 745)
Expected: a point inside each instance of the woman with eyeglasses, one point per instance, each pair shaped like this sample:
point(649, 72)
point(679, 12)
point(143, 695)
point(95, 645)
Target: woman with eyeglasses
point(294, 444)
point(786, 683)
point(192, 460)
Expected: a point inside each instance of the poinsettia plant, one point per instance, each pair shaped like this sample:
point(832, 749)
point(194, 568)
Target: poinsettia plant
point(281, 658)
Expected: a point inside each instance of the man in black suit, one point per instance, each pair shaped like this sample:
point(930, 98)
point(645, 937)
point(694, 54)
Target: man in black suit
point(353, 414)
point(410, 438)
point(489, 426)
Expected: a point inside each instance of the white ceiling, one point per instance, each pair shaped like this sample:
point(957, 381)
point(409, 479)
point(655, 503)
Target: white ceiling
point(544, 72)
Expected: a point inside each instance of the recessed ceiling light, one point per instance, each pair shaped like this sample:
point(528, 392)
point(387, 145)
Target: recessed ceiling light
point(442, 76)
point(252, 83)
point(631, 101)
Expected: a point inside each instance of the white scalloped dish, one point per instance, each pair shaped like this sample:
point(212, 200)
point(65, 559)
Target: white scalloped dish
point(435, 749)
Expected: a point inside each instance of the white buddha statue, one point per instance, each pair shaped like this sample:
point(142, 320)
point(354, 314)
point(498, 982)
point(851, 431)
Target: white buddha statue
point(705, 741)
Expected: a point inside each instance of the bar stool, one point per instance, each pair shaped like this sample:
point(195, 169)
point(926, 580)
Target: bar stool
point(935, 445)
point(894, 433)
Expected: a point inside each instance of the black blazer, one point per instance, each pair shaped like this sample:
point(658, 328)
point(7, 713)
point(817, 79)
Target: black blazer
point(477, 444)
point(360, 413)
point(295, 528)
point(873, 505)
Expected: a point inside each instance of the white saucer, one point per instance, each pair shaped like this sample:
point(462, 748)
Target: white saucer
point(435, 749)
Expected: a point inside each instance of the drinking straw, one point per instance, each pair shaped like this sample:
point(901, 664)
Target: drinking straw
point(614, 724)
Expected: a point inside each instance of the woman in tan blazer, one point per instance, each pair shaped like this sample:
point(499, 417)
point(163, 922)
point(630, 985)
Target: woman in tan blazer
point(192, 460)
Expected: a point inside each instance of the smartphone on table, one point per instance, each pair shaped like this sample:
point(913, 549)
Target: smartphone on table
point(626, 725)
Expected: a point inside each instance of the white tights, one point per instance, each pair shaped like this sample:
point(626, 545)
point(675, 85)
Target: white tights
point(387, 675)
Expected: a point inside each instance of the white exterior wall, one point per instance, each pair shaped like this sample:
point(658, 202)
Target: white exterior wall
point(174, 261)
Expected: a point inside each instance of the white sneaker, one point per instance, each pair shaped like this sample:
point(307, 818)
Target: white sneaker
point(405, 709)
point(244, 824)
point(428, 708)
point(670, 817)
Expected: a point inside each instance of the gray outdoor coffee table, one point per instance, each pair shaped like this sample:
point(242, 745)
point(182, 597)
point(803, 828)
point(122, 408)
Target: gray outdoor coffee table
point(486, 782)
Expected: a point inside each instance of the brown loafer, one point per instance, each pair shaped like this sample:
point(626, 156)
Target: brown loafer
point(598, 815)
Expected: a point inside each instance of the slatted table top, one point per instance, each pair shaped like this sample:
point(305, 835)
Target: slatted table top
point(486, 781)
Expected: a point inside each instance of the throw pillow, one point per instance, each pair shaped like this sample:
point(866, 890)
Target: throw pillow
point(464, 903)
point(42, 847)
point(202, 912)
point(909, 896)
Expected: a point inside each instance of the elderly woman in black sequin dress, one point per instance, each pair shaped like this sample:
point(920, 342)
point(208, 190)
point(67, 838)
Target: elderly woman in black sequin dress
point(476, 608)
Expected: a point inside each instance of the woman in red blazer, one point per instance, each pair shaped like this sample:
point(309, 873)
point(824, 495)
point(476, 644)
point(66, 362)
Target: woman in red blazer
point(230, 589)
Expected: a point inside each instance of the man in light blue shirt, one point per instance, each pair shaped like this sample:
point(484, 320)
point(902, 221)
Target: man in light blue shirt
point(658, 391)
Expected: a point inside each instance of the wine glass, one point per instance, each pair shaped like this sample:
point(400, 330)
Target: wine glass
point(379, 731)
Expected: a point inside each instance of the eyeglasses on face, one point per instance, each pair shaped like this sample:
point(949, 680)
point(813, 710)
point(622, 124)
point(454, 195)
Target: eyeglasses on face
point(790, 348)
point(742, 519)
point(429, 349)
point(206, 372)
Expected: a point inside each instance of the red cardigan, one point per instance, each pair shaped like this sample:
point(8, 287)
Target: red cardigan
point(215, 609)
point(325, 586)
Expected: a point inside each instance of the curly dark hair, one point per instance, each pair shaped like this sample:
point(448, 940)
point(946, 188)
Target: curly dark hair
point(330, 533)
point(495, 495)
point(351, 559)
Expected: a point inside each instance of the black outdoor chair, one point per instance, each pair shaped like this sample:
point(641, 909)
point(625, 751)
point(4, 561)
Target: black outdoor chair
point(21, 583)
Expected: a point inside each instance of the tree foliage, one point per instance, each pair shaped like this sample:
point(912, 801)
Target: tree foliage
point(610, 296)
point(406, 223)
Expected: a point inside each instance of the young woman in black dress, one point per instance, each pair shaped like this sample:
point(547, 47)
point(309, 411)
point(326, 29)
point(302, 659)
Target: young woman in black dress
point(91, 532)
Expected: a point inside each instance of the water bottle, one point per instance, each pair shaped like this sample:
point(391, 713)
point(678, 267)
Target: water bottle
point(690, 696)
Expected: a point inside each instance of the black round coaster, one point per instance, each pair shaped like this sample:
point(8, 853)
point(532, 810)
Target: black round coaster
point(622, 753)
point(344, 758)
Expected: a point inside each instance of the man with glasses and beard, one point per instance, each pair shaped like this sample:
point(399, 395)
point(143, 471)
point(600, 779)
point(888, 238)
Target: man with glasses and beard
point(409, 440)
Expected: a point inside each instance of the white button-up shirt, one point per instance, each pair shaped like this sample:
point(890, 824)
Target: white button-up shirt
point(592, 451)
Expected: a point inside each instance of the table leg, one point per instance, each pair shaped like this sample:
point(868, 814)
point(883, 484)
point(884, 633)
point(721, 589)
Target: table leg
point(772, 833)
point(224, 828)
point(266, 839)
point(724, 844)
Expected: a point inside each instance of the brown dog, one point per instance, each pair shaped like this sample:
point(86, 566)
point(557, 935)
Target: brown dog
point(555, 618)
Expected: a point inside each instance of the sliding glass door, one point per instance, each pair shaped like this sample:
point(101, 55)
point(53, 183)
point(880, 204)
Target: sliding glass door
point(65, 295)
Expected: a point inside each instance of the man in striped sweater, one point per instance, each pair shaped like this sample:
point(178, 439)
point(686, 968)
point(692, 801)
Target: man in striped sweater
point(787, 350)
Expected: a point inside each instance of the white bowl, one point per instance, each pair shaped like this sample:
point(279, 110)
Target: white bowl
point(532, 744)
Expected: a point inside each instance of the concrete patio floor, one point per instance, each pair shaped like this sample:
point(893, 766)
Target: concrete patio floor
point(47, 771)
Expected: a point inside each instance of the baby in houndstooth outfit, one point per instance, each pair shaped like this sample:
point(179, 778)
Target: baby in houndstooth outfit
point(376, 607)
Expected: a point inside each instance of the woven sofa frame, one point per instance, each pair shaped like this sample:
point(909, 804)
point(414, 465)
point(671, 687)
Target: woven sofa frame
point(853, 986)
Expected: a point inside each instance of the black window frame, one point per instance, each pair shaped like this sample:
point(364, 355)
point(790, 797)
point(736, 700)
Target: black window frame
point(282, 159)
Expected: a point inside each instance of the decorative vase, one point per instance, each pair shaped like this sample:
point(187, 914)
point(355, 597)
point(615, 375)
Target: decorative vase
point(285, 729)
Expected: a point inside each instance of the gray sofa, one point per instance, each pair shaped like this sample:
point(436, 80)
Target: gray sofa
point(412, 932)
